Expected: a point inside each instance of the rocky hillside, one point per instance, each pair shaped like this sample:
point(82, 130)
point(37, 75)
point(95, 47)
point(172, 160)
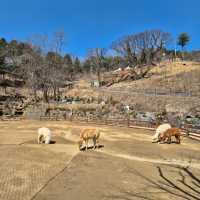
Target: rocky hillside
point(167, 77)
point(166, 84)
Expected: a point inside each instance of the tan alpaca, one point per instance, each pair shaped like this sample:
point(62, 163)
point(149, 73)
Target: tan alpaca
point(89, 134)
point(176, 132)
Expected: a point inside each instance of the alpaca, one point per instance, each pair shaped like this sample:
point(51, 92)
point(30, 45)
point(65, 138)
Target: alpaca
point(88, 134)
point(176, 132)
point(160, 129)
point(44, 135)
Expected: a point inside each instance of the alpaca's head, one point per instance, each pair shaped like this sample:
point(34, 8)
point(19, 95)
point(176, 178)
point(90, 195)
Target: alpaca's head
point(41, 139)
point(160, 137)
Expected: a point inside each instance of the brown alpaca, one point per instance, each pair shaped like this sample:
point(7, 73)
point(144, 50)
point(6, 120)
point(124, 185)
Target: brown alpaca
point(88, 134)
point(169, 133)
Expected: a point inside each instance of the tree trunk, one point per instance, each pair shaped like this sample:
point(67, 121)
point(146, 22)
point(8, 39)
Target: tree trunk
point(35, 93)
point(45, 95)
point(5, 90)
point(58, 94)
point(99, 77)
point(182, 53)
point(55, 93)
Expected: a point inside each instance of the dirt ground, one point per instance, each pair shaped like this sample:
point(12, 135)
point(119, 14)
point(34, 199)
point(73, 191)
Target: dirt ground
point(127, 167)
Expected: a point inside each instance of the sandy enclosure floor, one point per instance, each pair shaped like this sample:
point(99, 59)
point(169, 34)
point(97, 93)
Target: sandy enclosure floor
point(128, 167)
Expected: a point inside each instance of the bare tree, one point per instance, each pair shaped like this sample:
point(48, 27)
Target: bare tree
point(58, 42)
point(45, 68)
point(141, 48)
point(97, 60)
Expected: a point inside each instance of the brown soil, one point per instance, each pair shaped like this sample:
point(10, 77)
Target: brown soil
point(128, 166)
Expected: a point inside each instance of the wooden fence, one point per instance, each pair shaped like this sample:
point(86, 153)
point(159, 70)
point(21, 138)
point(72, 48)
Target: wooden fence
point(150, 92)
point(188, 129)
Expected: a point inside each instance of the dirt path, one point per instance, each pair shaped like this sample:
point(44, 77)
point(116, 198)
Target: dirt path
point(128, 167)
point(173, 162)
point(94, 175)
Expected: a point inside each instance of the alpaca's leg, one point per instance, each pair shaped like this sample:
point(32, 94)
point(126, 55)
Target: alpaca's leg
point(178, 139)
point(155, 136)
point(159, 137)
point(94, 142)
point(97, 142)
point(169, 140)
point(86, 144)
point(47, 140)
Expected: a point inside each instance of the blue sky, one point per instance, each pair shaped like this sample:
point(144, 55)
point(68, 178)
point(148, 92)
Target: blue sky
point(96, 23)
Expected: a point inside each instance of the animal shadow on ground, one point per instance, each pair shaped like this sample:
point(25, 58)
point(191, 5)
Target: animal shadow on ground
point(52, 142)
point(91, 147)
point(185, 185)
point(165, 142)
point(55, 140)
point(59, 140)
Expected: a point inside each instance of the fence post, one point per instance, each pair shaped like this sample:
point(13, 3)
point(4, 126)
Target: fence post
point(65, 116)
point(128, 120)
point(71, 116)
point(106, 120)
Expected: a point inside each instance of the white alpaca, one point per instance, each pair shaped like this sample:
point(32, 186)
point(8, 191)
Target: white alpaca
point(44, 135)
point(160, 130)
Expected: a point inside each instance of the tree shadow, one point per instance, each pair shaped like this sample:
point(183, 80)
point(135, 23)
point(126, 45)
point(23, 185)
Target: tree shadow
point(187, 186)
point(126, 195)
point(184, 185)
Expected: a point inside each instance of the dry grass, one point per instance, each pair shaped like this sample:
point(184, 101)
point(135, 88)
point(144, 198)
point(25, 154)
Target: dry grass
point(174, 68)
point(80, 106)
point(84, 93)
